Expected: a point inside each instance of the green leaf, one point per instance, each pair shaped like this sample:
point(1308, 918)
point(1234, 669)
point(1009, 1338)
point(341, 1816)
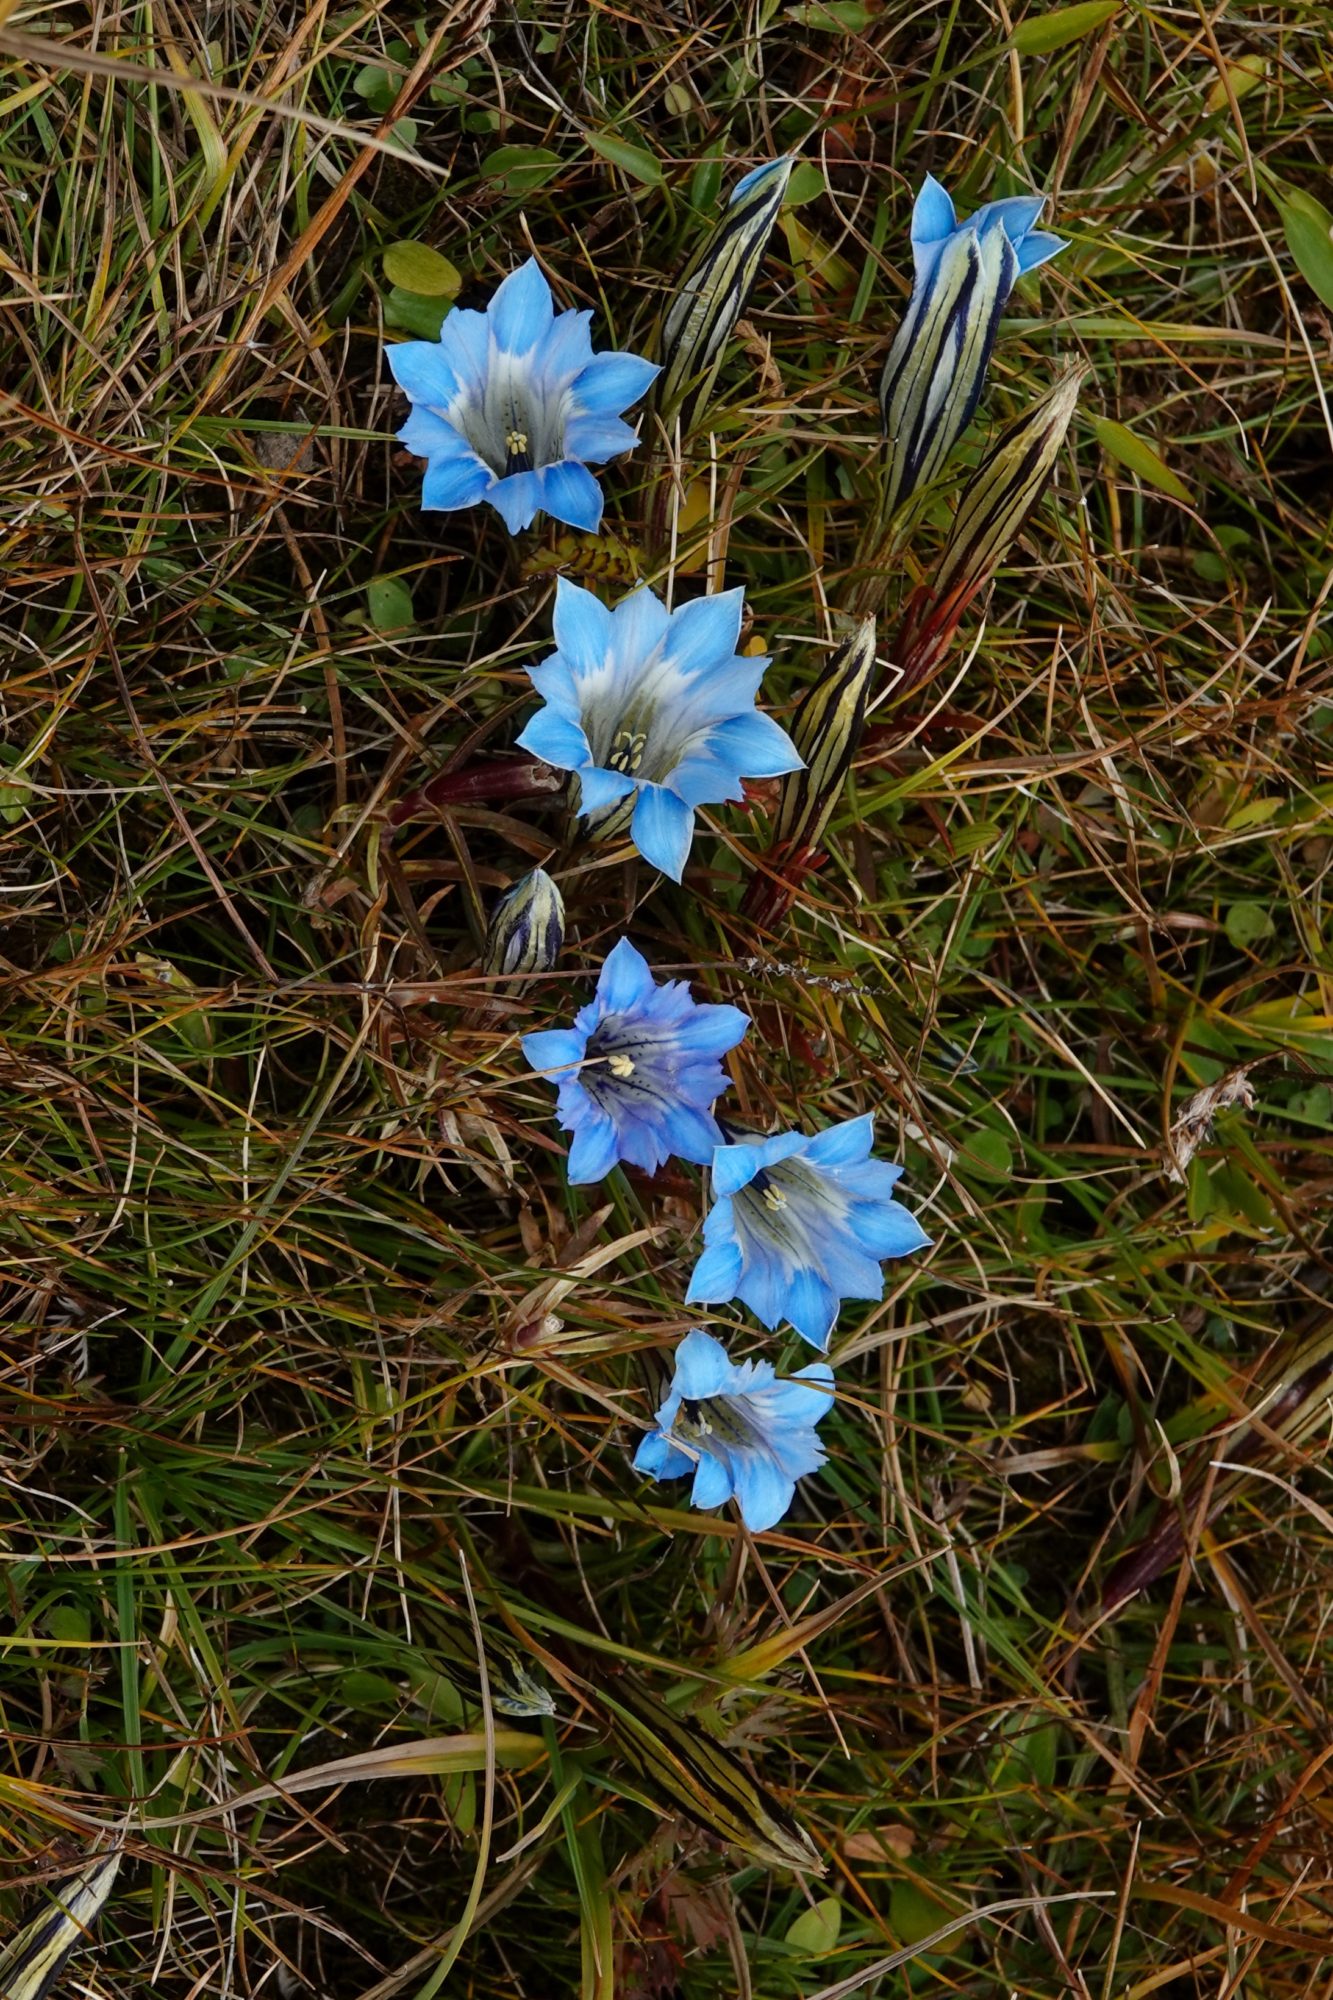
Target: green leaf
point(418, 268)
point(69, 1623)
point(390, 604)
point(815, 1932)
point(833, 17)
point(914, 1913)
point(1247, 923)
point(1316, 1104)
point(1040, 33)
point(1309, 232)
point(408, 312)
point(806, 183)
point(1138, 457)
point(521, 168)
point(632, 160)
point(989, 1155)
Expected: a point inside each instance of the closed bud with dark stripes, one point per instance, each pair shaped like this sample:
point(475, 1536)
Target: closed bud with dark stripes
point(32, 1962)
point(527, 930)
point(1005, 487)
point(826, 732)
point(964, 273)
point(996, 501)
point(712, 293)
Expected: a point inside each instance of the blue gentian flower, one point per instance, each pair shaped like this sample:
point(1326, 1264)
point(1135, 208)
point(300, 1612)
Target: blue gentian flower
point(510, 405)
point(742, 1433)
point(654, 710)
point(799, 1224)
point(639, 1070)
point(964, 273)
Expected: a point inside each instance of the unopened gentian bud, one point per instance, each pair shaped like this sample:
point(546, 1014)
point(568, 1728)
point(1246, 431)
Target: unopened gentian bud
point(996, 501)
point(964, 273)
point(527, 930)
point(712, 294)
point(1005, 487)
point(826, 731)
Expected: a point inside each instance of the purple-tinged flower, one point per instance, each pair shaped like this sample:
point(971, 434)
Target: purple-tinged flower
point(511, 405)
point(964, 273)
point(654, 710)
point(799, 1224)
point(745, 1435)
point(638, 1072)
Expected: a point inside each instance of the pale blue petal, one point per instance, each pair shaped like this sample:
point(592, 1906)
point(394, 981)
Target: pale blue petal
point(763, 1288)
point(521, 311)
point(599, 789)
point(554, 1048)
point(702, 1367)
point(891, 1231)
point(611, 382)
point(711, 1030)
point(465, 344)
point(516, 499)
point(714, 1278)
point(1038, 248)
point(763, 1493)
point(663, 827)
point(661, 1459)
point(594, 1149)
point(429, 436)
point(582, 627)
point(555, 739)
point(566, 350)
point(1016, 215)
point(639, 623)
point(569, 493)
point(803, 1399)
point(770, 170)
point(755, 746)
point(555, 683)
point(625, 979)
point(691, 1134)
point(933, 222)
point(704, 780)
point(598, 438)
point(712, 1483)
point(844, 1145)
point(703, 633)
point(734, 1167)
point(450, 483)
point(420, 368)
point(869, 1180)
point(811, 1306)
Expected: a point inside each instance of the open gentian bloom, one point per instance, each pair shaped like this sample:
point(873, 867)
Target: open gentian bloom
point(744, 1434)
point(797, 1225)
point(964, 273)
point(654, 710)
point(639, 1070)
point(510, 405)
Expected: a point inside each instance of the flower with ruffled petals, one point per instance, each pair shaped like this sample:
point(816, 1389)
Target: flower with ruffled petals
point(964, 273)
point(798, 1224)
point(511, 405)
point(639, 1070)
point(745, 1435)
point(654, 710)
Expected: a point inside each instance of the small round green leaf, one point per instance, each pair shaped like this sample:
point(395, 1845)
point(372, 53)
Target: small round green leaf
point(418, 268)
point(815, 1932)
point(390, 604)
point(1248, 923)
point(989, 1155)
point(1139, 457)
point(1309, 231)
point(521, 168)
point(1040, 33)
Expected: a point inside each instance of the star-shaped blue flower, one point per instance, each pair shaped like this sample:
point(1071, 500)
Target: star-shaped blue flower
point(742, 1433)
point(511, 405)
point(654, 710)
point(647, 1070)
point(935, 223)
point(798, 1224)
